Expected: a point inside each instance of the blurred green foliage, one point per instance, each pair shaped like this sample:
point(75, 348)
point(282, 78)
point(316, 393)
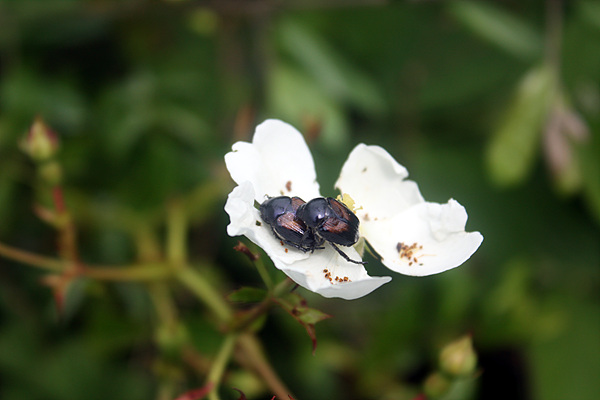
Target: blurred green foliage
point(147, 97)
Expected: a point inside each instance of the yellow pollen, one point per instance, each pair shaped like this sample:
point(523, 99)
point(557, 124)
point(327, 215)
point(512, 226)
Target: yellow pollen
point(349, 202)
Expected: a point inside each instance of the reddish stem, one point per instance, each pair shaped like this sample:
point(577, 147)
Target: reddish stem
point(59, 199)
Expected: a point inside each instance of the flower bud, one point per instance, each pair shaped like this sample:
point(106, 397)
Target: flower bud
point(51, 173)
point(459, 358)
point(40, 143)
point(436, 385)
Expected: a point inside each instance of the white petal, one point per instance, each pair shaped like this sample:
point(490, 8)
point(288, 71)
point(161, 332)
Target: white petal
point(277, 162)
point(377, 183)
point(426, 239)
point(245, 220)
point(328, 274)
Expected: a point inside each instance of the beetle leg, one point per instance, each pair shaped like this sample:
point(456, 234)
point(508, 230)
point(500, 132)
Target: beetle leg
point(346, 256)
point(296, 245)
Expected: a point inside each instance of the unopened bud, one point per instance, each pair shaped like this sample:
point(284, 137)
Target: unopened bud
point(459, 358)
point(51, 173)
point(40, 143)
point(436, 385)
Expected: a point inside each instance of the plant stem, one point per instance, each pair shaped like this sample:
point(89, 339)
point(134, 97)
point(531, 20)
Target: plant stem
point(32, 259)
point(67, 233)
point(219, 364)
point(255, 358)
point(176, 234)
point(144, 272)
point(163, 303)
point(264, 274)
point(207, 293)
point(253, 314)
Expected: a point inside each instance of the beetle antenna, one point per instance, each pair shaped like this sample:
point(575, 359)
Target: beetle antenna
point(346, 256)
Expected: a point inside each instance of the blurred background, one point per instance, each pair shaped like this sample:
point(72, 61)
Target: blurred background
point(495, 104)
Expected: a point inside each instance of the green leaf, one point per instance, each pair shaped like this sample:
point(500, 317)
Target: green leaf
point(590, 12)
point(296, 98)
point(514, 144)
point(590, 166)
point(327, 66)
point(499, 27)
point(296, 306)
point(248, 295)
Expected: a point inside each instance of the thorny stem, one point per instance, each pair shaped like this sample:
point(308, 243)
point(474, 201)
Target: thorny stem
point(67, 240)
point(176, 266)
point(59, 201)
point(251, 351)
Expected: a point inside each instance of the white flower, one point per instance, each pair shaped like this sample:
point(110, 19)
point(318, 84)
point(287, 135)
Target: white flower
point(412, 236)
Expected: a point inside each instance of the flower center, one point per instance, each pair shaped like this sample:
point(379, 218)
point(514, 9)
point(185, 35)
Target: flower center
point(349, 202)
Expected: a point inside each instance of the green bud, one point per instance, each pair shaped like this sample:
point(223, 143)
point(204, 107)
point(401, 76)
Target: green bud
point(436, 385)
point(459, 358)
point(51, 173)
point(40, 143)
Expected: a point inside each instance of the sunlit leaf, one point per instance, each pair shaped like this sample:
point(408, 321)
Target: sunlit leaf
point(515, 142)
point(328, 67)
point(299, 100)
point(590, 11)
point(590, 166)
point(499, 27)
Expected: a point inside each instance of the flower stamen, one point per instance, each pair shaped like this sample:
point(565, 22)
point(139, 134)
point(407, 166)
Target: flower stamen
point(407, 252)
point(336, 279)
point(348, 202)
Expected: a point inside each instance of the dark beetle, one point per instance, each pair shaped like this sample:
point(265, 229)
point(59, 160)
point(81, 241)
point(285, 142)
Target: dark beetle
point(332, 221)
point(280, 214)
point(306, 226)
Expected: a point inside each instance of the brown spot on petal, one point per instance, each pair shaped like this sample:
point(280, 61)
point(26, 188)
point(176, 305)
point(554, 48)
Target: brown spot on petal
point(288, 186)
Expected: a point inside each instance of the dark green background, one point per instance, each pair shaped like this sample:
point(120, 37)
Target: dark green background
point(147, 97)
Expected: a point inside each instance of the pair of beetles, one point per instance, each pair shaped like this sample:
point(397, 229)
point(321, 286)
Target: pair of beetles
point(307, 226)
